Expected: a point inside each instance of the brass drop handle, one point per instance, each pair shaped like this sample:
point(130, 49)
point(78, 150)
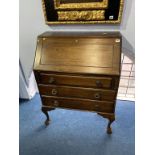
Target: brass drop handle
point(54, 92)
point(97, 96)
point(98, 83)
point(51, 80)
point(55, 103)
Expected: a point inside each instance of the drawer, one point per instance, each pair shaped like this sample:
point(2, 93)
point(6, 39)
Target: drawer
point(85, 81)
point(82, 104)
point(77, 92)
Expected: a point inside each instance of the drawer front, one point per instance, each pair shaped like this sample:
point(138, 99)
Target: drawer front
point(85, 81)
point(77, 92)
point(69, 103)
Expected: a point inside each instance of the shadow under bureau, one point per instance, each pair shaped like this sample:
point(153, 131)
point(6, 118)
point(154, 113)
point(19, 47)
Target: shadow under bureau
point(79, 71)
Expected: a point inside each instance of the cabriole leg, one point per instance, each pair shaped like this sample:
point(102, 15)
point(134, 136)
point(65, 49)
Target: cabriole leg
point(111, 118)
point(47, 122)
point(109, 129)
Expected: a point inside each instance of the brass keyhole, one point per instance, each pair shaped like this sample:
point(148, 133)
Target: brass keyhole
point(98, 83)
point(96, 106)
point(56, 103)
point(97, 96)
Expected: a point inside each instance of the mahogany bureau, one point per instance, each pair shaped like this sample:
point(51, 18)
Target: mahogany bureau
point(79, 71)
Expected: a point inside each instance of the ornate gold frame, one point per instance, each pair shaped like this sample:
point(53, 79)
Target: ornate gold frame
point(118, 21)
point(73, 6)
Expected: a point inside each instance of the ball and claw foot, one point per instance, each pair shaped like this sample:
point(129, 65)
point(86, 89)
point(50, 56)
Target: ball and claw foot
point(47, 122)
point(109, 130)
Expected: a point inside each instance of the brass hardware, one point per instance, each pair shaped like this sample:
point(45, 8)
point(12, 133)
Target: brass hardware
point(117, 40)
point(44, 38)
point(56, 103)
point(54, 92)
point(97, 96)
point(98, 83)
point(51, 80)
point(76, 41)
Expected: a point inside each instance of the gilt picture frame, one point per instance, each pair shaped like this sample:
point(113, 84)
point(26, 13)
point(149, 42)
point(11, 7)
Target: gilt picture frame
point(82, 11)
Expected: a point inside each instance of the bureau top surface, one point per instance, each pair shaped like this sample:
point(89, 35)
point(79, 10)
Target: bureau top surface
point(83, 53)
point(80, 34)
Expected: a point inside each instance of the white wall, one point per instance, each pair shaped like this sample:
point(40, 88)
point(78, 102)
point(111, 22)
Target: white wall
point(32, 24)
point(23, 92)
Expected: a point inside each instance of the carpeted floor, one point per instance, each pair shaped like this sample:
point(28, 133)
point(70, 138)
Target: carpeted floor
point(75, 132)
